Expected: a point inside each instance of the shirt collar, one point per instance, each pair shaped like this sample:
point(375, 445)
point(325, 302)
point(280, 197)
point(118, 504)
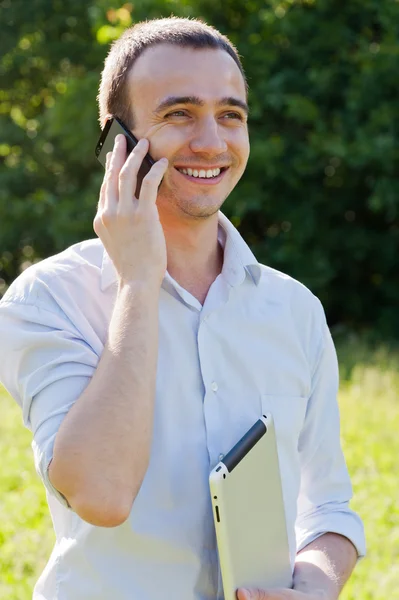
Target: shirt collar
point(238, 258)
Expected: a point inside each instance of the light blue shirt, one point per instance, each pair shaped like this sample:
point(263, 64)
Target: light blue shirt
point(259, 343)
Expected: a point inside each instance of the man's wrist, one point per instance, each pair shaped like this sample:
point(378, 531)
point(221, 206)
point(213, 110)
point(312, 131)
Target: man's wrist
point(310, 579)
point(315, 594)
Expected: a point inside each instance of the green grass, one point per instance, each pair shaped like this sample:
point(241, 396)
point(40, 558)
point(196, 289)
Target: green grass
point(369, 402)
point(26, 535)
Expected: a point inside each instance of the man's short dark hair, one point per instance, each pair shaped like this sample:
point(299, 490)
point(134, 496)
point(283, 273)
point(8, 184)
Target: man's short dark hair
point(113, 97)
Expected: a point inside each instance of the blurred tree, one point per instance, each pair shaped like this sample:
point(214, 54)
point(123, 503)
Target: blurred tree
point(319, 199)
point(50, 63)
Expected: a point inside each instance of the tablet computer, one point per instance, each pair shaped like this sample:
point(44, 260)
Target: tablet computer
point(249, 514)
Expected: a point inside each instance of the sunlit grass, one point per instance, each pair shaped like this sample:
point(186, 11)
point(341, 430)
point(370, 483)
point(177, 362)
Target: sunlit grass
point(369, 402)
point(26, 534)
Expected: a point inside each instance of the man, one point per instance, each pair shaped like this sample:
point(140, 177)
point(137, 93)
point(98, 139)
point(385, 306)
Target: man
point(140, 358)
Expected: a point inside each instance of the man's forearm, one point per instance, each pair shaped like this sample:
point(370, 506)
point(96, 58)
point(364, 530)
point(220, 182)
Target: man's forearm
point(101, 450)
point(325, 565)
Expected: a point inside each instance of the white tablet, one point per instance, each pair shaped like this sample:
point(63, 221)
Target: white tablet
point(249, 515)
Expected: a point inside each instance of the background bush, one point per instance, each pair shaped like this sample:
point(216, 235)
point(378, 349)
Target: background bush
point(319, 199)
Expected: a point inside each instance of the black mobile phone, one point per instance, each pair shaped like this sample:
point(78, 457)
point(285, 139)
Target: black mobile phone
point(106, 142)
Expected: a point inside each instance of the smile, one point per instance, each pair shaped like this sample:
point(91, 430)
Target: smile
point(203, 177)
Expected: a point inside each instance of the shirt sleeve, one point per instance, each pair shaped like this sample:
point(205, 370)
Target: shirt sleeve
point(325, 492)
point(45, 365)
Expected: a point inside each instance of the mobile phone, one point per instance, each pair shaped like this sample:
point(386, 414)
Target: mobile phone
point(105, 144)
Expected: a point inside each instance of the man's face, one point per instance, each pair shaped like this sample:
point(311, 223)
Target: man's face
point(204, 127)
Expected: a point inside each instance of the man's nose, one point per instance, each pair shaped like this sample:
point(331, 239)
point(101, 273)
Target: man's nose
point(208, 138)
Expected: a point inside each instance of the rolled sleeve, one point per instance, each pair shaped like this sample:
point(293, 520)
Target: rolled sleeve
point(45, 365)
point(323, 502)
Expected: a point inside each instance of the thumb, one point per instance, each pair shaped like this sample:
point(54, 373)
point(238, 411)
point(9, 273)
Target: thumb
point(254, 594)
point(250, 594)
point(244, 594)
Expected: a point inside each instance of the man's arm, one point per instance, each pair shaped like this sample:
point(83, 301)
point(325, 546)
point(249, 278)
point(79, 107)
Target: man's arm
point(102, 447)
point(321, 570)
point(325, 564)
point(324, 561)
point(325, 490)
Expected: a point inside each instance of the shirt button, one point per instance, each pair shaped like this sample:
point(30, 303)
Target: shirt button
point(214, 386)
point(221, 456)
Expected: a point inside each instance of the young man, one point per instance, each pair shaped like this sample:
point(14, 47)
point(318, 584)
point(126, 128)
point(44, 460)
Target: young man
point(141, 357)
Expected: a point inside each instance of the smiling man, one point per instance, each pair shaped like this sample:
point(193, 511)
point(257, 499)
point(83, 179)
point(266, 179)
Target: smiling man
point(141, 356)
point(191, 105)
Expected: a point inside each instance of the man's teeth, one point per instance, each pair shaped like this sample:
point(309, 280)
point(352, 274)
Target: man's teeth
point(202, 173)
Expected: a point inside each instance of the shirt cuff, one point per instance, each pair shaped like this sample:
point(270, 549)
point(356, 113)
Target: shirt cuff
point(346, 523)
point(43, 459)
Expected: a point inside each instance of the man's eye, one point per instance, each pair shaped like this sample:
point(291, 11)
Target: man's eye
point(182, 113)
point(176, 112)
point(234, 115)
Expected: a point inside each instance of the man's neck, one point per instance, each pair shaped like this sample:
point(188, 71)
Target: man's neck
point(195, 257)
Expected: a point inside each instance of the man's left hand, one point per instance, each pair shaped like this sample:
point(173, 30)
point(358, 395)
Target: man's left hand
point(278, 594)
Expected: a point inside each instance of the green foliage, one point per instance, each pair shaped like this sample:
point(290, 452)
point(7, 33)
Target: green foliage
point(320, 197)
point(369, 425)
point(321, 181)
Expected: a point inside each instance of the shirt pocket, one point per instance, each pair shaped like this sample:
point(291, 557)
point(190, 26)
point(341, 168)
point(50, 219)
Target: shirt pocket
point(288, 414)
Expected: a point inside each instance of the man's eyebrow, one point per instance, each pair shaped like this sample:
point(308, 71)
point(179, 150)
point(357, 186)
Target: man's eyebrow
point(196, 101)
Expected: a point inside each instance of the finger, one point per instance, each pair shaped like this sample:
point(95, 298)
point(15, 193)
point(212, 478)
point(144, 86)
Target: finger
point(116, 163)
point(103, 189)
point(128, 174)
point(255, 594)
point(107, 160)
point(150, 183)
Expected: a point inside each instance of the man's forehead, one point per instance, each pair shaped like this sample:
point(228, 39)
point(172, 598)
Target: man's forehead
point(166, 69)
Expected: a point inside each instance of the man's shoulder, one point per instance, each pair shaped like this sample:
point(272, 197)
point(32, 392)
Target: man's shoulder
point(76, 267)
point(285, 286)
point(87, 253)
point(299, 305)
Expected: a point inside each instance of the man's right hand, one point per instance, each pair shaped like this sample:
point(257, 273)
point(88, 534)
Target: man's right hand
point(129, 227)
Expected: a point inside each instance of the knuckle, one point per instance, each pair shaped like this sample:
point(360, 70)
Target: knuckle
point(106, 217)
point(124, 174)
point(133, 153)
point(125, 210)
point(151, 176)
point(147, 182)
point(97, 224)
point(141, 147)
point(111, 169)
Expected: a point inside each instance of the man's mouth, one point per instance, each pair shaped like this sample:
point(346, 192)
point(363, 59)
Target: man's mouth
point(203, 176)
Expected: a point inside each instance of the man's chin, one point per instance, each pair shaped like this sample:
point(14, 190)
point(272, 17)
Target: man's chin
point(201, 207)
point(200, 212)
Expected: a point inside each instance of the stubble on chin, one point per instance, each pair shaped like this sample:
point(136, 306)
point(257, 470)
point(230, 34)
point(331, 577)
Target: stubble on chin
point(194, 206)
